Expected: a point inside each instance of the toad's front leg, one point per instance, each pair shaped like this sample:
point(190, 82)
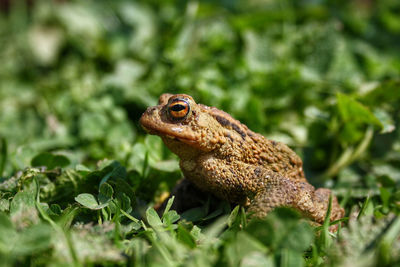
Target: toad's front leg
point(280, 191)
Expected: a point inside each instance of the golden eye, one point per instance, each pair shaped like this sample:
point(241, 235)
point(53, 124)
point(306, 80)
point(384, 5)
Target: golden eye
point(178, 109)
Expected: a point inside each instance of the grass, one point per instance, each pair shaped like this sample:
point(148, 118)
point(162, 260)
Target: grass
point(79, 177)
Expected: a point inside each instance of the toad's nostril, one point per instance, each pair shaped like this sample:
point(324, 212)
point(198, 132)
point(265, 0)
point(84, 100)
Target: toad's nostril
point(150, 110)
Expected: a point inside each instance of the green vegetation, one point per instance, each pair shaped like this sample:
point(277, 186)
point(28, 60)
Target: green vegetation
point(79, 177)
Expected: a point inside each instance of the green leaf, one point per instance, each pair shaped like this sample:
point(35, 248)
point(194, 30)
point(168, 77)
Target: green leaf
point(291, 258)
point(154, 152)
point(7, 233)
point(385, 197)
point(122, 186)
point(106, 190)
point(21, 201)
point(244, 244)
point(170, 217)
point(33, 240)
point(152, 218)
point(352, 111)
point(355, 118)
point(233, 216)
point(82, 168)
point(124, 202)
point(169, 204)
point(113, 171)
point(56, 209)
point(194, 214)
point(216, 227)
point(282, 229)
point(303, 237)
point(256, 258)
point(185, 237)
point(30, 240)
point(49, 160)
point(68, 215)
point(89, 201)
point(385, 246)
point(105, 193)
point(23, 205)
point(364, 208)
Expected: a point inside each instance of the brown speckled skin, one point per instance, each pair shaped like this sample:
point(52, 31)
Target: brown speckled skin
point(222, 156)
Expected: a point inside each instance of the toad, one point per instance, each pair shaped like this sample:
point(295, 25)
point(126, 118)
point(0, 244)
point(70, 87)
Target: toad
point(220, 155)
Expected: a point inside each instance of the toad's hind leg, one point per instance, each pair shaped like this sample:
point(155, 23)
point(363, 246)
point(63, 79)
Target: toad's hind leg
point(301, 196)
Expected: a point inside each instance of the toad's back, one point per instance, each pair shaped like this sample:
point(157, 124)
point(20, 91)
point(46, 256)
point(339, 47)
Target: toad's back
point(243, 145)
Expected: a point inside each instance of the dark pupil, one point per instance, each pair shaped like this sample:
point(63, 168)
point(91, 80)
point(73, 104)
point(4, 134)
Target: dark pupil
point(178, 107)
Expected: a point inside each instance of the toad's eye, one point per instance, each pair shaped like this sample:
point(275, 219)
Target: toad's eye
point(178, 109)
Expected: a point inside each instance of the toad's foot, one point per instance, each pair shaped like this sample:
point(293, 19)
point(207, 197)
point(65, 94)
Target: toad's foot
point(301, 196)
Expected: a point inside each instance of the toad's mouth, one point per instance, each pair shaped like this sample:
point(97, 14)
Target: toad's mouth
point(173, 133)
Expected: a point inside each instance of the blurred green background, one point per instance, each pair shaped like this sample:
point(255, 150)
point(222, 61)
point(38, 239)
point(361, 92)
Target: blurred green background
point(319, 75)
point(76, 75)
